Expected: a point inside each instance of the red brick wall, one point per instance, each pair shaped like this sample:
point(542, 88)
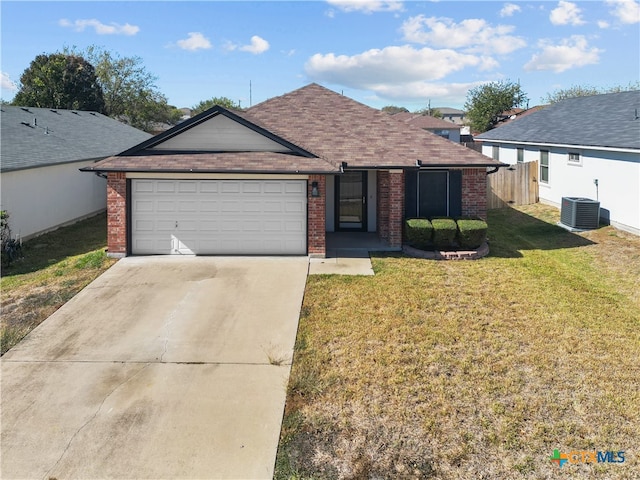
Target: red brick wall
point(396, 208)
point(474, 192)
point(390, 206)
point(316, 231)
point(116, 214)
point(383, 205)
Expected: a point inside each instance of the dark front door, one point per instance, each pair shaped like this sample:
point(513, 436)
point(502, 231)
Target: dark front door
point(351, 201)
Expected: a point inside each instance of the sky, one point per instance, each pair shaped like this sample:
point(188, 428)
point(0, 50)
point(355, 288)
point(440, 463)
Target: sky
point(379, 52)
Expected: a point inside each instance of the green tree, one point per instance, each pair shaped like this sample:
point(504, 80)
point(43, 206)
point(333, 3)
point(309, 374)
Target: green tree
point(392, 109)
point(130, 92)
point(432, 112)
point(586, 91)
point(486, 102)
point(212, 102)
point(60, 80)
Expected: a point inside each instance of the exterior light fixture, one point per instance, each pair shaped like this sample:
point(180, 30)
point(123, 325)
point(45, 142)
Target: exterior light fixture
point(314, 189)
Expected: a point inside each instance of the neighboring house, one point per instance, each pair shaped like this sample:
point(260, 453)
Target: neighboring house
point(516, 114)
point(41, 153)
point(586, 147)
point(275, 178)
point(435, 125)
point(452, 115)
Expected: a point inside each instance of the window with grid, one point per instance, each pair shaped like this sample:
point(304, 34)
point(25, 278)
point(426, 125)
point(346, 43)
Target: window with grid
point(574, 158)
point(544, 166)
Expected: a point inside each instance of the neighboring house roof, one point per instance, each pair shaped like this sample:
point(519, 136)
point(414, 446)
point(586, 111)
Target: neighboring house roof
point(519, 114)
point(449, 111)
point(611, 121)
point(36, 137)
point(318, 131)
point(426, 122)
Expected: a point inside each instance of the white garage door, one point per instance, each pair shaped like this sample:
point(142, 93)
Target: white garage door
point(219, 217)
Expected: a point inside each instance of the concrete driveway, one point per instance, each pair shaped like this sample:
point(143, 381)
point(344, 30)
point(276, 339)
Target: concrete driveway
point(164, 367)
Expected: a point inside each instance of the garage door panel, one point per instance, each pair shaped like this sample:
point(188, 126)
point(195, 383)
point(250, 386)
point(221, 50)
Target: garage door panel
point(219, 217)
point(209, 226)
point(231, 206)
point(273, 187)
point(144, 205)
point(209, 206)
point(252, 206)
point(295, 188)
point(165, 225)
point(296, 227)
point(293, 207)
point(165, 206)
point(187, 187)
point(144, 226)
point(230, 187)
point(165, 187)
point(209, 187)
point(252, 187)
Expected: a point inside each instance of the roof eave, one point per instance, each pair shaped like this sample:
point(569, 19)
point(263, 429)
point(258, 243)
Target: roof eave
point(209, 171)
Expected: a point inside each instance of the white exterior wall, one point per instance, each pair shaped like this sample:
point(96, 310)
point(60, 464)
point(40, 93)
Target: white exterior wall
point(618, 175)
point(454, 133)
point(42, 199)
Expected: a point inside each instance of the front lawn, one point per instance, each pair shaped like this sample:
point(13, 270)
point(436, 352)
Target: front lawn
point(472, 369)
point(55, 267)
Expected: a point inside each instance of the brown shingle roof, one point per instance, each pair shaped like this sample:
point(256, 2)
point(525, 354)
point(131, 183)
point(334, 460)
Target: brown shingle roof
point(426, 121)
point(332, 127)
point(340, 129)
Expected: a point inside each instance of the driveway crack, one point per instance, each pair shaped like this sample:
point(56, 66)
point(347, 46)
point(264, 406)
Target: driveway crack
point(92, 418)
point(169, 322)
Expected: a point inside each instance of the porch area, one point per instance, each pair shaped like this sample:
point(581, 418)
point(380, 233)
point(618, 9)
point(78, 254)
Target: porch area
point(355, 244)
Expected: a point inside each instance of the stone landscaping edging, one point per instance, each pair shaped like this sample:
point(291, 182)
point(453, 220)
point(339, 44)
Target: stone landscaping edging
point(481, 251)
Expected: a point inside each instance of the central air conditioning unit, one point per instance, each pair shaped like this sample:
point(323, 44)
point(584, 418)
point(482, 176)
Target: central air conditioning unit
point(580, 213)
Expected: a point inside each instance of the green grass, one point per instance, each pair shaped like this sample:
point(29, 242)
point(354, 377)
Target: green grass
point(55, 267)
point(472, 369)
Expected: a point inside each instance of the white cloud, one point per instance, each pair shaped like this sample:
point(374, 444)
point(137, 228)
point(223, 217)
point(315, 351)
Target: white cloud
point(367, 6)
point(6, 83)
point(195, 41)
point(509, 9)
point(99, 27)
point(258, 45)
point(571, 53)
point(389, 66)
point(603, 24)
point(473, 34)
point(566, 13)
point(420, 91)
point(627, 11)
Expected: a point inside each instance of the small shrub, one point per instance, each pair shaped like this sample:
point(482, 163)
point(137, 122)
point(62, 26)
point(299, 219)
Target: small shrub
point(419, 232)
point(444, 232)
point(471, 233)
point(11, 247)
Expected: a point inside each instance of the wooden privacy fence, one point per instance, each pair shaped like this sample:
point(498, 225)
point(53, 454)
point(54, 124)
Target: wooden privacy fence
point(513, 185)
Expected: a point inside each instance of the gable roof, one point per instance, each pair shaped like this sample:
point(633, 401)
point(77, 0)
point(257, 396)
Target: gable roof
point(36, 137)
point(610, 120)
point(322, 131)
point(426, 122)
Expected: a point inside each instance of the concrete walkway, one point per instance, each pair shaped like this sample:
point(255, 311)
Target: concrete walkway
point(164, 367)
point(342, 262)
